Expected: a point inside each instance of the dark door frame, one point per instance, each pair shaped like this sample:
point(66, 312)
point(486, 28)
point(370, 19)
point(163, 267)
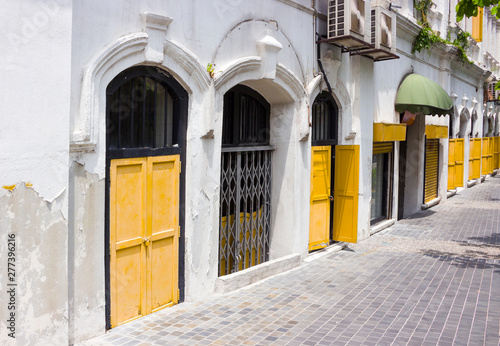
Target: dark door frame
point(180, 97)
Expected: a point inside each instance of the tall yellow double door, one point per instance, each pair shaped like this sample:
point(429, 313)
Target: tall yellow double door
point(144, 233)
point(344, 195)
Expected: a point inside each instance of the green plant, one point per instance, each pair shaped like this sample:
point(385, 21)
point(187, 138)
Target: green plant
point(422, 7)
point(426, 38)
point(211, 70)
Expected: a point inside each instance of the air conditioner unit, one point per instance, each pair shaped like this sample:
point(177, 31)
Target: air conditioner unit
point(492, 93)
point(349, 23)
point(383, 35)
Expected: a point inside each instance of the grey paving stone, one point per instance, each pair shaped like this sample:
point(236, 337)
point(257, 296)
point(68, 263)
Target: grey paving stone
point(431, 279)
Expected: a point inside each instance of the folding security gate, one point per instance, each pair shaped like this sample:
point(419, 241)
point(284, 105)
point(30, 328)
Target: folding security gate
point(431, 169)
point(245, 197)
point(245, 209)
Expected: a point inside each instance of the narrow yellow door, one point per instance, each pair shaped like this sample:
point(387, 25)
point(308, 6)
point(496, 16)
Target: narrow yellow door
point(127, 201)
point(459, 162)
point(477, 158)
point(484, 156)
point(346, 186)
point(451, 164)
point(319, 224)
point(496, 153)
point(163, 223)
point(144, 231)
point(471, 158)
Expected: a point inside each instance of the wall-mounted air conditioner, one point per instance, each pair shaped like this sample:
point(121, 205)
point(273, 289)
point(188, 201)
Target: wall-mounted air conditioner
point(349, 23)
point(383, 35)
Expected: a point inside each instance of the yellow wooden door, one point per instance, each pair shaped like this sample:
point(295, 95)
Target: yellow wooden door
point(319, 222)
point(476, 166)
point(459, 162)
point(471, 158)
point(144, 229)
point(163, 230)
point(451, 164)
point(496, 153)
point(484, 156)
point(346, 186)
point(490, 154)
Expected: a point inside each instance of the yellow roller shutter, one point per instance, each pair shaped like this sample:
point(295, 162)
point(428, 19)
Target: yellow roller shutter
point(431, 169)
point(345, 213)
point(383, 147)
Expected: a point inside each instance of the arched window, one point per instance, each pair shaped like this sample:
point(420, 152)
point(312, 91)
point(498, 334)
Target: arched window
point(324, 120)
point(245, 199)
point(144, 110)
point(246, 118)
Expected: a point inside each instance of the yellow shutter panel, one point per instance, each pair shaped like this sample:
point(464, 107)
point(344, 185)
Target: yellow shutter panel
point(476, 166)
point(496, 153)
point(431, 169)
point(345, 202)
point(471, 159)
point(459, 162)
point(128, 180)
point(383, 147)
point(319, 222)
point(485, 169)
point(477, 26)
point(451, 164)
point(490, 154)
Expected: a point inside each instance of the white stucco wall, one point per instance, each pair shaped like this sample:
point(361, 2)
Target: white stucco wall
point(35, 65)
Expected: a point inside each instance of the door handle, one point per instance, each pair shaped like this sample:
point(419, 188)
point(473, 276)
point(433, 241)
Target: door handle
point(146, 240)
point(331, 198)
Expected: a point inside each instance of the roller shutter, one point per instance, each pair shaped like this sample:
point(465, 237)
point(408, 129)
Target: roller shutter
point(431, 169)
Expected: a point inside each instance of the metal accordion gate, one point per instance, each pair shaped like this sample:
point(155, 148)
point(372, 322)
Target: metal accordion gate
point(245, 209)
point(245, 196)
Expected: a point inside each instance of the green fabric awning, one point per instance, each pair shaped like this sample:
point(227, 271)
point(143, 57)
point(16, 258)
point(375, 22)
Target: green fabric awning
point(418, 94)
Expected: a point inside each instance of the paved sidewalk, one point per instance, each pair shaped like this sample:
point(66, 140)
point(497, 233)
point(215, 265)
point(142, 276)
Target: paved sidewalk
point(433, 279)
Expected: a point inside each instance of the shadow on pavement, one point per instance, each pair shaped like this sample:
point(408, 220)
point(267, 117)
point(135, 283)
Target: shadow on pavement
point(476, 260)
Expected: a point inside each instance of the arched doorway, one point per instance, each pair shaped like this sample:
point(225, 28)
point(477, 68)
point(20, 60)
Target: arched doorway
point(323, 142)
point(245, 199)
point(146, 115)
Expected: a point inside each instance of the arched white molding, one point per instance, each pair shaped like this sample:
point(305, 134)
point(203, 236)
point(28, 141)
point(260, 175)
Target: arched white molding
point(175, 54)
point(84, 131)
point(237, 71)
point(126, 52)
point(247, 71)
point(314, 88)
point(464, 114)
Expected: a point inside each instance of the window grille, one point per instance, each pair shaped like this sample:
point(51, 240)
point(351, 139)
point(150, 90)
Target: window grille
point(245, 200)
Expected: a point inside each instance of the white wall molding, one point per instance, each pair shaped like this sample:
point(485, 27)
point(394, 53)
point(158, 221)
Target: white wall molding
point(84, 130)
point(116, 57)
point(156, 27)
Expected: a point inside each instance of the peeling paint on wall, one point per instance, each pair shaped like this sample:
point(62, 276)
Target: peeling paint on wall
point(40, 231)
point(86, 255)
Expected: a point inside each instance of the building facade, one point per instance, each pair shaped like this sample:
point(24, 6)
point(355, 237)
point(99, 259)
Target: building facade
point(161, 152)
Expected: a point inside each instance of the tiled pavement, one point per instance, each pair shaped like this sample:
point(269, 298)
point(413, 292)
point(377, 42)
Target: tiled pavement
point(433, 279)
